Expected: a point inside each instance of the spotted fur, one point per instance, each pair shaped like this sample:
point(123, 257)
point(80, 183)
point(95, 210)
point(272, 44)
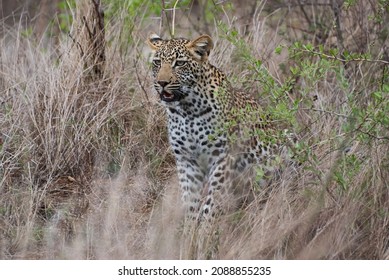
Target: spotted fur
point(208, 135)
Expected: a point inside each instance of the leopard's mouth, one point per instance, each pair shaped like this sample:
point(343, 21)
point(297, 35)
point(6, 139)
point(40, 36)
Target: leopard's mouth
point(167, 96)
point(171, 96)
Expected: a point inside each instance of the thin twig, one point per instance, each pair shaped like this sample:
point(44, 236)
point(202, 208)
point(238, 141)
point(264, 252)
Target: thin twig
point(346, 60)
point(325, 111)
point(167, 19)
point(305, 14)
point(336, 9)
point(77, 44)
point(174, 17)
point(139, 80)
point(383, 77)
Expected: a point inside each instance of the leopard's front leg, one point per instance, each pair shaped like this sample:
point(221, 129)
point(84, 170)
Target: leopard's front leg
point(191, 179)
point(219, 185)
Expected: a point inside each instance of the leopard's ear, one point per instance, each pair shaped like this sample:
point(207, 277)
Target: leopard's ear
point(154, 41)
point(200, 47)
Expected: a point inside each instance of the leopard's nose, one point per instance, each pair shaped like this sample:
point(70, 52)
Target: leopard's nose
point(163, 83)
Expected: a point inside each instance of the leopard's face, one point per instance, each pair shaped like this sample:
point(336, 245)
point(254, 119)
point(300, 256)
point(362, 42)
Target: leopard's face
point(179, 66)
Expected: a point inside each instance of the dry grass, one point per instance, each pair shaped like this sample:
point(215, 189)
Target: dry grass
point(86, 171)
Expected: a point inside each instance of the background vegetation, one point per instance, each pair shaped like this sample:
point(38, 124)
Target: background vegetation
point(85, 168)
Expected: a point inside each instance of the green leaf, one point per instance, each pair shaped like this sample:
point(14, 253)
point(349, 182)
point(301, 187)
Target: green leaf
point(334, 52)
point(279, 49)
point(377, 95)
point(309, 47)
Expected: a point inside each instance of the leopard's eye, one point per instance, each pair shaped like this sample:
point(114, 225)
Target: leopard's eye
point(180, 63)
point(157, 62)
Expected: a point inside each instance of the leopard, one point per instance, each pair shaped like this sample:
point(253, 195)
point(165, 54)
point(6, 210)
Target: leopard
point(215, 131)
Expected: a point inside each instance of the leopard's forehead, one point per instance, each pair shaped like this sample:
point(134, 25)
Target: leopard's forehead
point(173, 48)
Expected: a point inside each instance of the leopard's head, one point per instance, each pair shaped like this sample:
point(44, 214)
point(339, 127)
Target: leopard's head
point(179, 65)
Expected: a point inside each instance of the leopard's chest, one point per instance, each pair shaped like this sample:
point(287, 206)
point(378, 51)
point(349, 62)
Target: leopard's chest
point(193, 138)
